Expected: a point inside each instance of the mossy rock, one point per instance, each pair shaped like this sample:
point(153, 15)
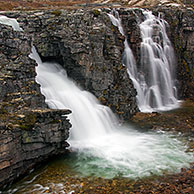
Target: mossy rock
point(28, 122)
point(96, 12)
point(55, 121)
point(25, 127)
point(56, 12)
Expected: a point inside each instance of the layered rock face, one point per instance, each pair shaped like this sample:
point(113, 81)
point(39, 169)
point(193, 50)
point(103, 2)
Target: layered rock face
point(180, 30)
point(89, 48)
point(18, 88)
point(22, 147)
point(29, 132)
point(181, 33)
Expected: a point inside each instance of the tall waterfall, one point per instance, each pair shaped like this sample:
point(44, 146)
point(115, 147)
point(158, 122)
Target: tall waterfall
point(154, 77)
point(62, 93)
point(103, 147)
point(156, 74)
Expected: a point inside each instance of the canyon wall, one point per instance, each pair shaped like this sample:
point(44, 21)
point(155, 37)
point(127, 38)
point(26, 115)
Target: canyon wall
point(29, 132)
point(181, 33)
point(90, 48)
point(180, 30)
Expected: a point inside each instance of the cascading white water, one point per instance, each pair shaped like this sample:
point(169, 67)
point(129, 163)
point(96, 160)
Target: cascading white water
point(10, 22)
point(103, 147)
point(157, 65)
point(62, 93)
point(153, 80)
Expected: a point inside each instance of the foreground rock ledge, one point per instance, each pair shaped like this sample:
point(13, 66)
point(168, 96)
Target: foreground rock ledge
point(29, 132)
point(42, 134)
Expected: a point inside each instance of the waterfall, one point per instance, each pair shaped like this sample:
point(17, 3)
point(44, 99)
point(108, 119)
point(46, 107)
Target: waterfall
point(154, 77)
point(156, 72)
point(10, 22)
point(62, 93)
point(104, 148)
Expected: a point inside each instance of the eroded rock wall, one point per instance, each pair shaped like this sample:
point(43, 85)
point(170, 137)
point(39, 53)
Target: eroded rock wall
point(180, 30)
point(24, 146)
point(29, 132)
point(181, 33)
point(90, 48)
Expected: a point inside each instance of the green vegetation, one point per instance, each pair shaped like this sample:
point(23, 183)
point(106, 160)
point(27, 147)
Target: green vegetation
point(56, 12)
point(28, 121)
point(55, 121)
point(96, 12)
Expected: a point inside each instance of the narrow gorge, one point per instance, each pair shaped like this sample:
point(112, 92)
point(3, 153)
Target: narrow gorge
point(92, 49)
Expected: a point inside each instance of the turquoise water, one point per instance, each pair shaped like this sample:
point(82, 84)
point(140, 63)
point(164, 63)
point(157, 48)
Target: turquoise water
point(68, 173)
point(100, 147)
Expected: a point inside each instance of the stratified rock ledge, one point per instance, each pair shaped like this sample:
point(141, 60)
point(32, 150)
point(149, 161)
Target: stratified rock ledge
point(41, 135)
point(89, 47)
point(29, 131)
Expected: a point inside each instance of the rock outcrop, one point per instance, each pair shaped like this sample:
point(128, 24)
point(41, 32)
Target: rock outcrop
point(29, 132)
point(41, 136)
point(89, 48)
point(180, 29)
point(181, 33)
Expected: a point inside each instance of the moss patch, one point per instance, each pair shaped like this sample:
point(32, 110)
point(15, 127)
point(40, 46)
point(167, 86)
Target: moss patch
point(56, 12)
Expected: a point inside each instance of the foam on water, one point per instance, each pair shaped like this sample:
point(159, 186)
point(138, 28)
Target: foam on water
point(102, 147)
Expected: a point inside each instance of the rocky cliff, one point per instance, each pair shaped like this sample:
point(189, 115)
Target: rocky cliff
point(41, 136)
point(29, 132)
point(181, 33)
point(180, 30)
point(90, 48)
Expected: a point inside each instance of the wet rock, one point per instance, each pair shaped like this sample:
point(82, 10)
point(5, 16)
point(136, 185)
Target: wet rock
point(181, 33)
point(29, 132)
point(28, 143)
point(180, 30)
point(90, 48)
